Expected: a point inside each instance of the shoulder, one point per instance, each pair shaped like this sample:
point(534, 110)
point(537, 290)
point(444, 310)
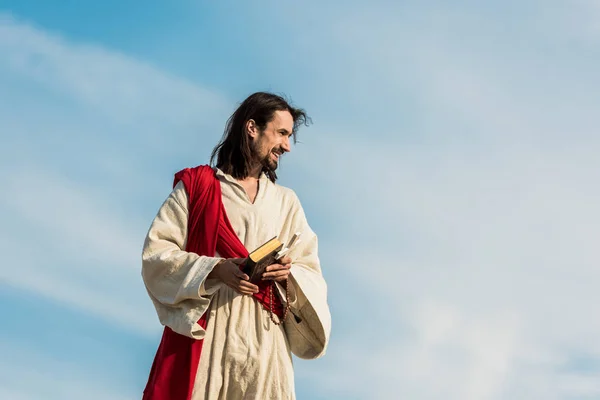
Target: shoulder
point(197, 181)
point(192, 173)
point(288, 195)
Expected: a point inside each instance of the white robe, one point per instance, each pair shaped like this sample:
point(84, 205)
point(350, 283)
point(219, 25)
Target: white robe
point(244, 355)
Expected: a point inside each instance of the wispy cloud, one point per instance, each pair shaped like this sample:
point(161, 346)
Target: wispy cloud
point(114, 84)
point(473, 228)
point(68, 177)
point(453, 190)
point(49, 378)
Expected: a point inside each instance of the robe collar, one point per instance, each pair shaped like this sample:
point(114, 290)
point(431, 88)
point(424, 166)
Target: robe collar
point(262, 178)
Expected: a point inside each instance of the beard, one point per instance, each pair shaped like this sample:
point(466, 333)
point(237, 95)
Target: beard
point(267, 161)
point(273, 164)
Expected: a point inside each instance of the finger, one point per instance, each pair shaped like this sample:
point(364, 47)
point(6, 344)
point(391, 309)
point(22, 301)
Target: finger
point(248, 286)
point(277, 278)
point(276, 267)
point(273, 267)
point(241, 289)
point(276, 274)
point(237, 261)
point(241, 275)
point(285, 260)
point(245, 292)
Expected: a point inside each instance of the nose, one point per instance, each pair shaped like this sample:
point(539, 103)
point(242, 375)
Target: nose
point(286, 144)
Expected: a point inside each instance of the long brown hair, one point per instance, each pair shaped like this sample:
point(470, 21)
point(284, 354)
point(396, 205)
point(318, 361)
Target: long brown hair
point(234, 152)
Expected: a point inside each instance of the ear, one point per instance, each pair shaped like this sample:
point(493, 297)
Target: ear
point(251, 128)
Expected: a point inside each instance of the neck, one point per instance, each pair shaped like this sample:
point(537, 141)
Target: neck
point(255, 171)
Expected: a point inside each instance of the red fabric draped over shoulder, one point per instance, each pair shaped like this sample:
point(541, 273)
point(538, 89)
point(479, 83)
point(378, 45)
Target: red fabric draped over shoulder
point(209, 232)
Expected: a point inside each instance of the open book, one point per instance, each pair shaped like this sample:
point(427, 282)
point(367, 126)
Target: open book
point(266, 254)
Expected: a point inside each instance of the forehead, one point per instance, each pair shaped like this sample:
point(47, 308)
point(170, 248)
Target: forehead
point(282, 120)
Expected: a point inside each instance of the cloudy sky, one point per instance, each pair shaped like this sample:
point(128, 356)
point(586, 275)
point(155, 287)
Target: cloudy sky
point(451, 173)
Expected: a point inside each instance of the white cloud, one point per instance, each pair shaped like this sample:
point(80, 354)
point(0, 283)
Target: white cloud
point(74, 223)
point(115, 84)
point(75, 250)
point(462, 249)
point(21, 379)
point(474, 230)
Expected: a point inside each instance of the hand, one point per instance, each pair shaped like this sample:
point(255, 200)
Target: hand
point(229, 272)
point(278, 272)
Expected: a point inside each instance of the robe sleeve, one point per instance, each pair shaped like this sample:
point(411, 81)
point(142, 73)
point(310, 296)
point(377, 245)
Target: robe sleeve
point(176, 280)
point(308, 333)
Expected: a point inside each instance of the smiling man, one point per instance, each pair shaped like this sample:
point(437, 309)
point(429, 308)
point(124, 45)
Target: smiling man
point(226, 337)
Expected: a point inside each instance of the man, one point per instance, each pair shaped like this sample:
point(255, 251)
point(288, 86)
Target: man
point(225, 337)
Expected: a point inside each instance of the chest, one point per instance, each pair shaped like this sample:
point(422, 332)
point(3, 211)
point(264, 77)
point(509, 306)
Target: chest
point(251, 189)
point(254, 223)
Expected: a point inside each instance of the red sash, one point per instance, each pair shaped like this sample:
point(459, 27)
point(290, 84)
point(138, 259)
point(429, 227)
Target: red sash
point(209, 231)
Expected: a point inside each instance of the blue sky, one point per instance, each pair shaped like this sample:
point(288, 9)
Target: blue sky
point(451, 175)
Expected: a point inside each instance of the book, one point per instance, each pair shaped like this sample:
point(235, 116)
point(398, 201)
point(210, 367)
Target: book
point(293, 241)
point(266, 254)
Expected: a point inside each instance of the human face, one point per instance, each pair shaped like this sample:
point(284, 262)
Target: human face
point(274, 140)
